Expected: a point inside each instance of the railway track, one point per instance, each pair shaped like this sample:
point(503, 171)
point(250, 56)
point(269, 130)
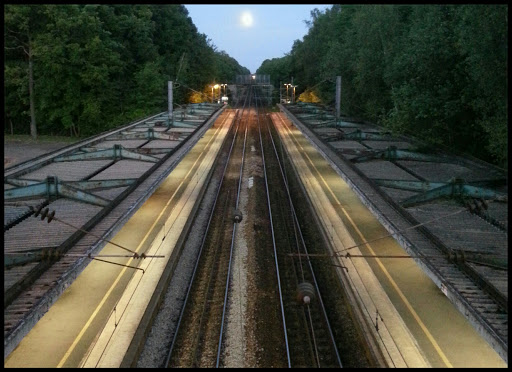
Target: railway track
point(309, 336)
point(292, 295)
point(197, 340)
point(303, 329)
point(472, 292)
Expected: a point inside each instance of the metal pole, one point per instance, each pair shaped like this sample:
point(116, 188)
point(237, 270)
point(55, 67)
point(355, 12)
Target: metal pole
point(169, 95)
point(338, 98)
point(280, 95)
point(293, 92)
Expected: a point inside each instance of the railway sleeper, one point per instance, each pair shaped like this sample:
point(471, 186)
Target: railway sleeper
point(501, 326)
point(451, 274)
point(483, 297)
point(470, 291)
point(475, 295)
point(486, 308)
point(465, 288)
point(497, 317)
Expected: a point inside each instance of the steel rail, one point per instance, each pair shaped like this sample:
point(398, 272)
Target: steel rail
point(305, 249)
point(198, 260)
point(274, 246)
point(189, 288)
point(466, 305)
point(232, 239)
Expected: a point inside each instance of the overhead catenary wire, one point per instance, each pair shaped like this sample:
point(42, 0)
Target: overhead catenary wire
point(314, 86)
point(373, 304)
point(393, 233)
point(84, 231)
point(160, 245)
point(296, 223)
point(77, 228)
point(355, 288)
point(51, 216)
point(193, 90)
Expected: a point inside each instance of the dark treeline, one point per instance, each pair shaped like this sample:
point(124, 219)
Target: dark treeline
point(82, 69)
point(438, 72)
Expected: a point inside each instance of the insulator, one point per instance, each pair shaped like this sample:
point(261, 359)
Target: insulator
point(478, 205)
point(237, 216)
point(457, 256)
point(38, 210)
point(44, 213)
point(305, 293)
point(461, 256)
point(50, 216)
point(484, 204)
point(471, 208)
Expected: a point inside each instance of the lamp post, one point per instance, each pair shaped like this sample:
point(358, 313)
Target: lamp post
point(287, 85)
point(293, 93)
point(216, 86)
point(225, 89)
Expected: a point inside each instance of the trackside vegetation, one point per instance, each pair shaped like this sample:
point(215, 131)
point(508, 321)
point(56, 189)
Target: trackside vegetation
point(438, 72)
point(78, 70)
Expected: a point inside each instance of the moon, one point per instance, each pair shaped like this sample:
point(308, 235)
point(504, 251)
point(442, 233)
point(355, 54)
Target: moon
point(246, 19)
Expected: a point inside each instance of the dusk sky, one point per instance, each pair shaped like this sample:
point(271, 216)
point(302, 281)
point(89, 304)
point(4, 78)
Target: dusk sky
point(252, 33)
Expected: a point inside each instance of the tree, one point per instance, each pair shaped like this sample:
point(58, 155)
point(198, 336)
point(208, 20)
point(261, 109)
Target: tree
point(438, 72)
point(22, 22)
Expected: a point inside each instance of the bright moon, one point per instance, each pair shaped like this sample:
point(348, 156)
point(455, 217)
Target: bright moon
point(246, 19)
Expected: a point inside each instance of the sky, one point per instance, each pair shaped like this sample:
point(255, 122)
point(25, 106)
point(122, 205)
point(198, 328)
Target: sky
point(253, 33)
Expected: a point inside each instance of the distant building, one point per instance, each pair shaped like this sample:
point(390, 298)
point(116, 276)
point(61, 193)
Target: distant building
point(252, 79)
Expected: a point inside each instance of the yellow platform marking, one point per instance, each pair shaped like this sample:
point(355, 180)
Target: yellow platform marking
point(384, 270)
point(93, 315)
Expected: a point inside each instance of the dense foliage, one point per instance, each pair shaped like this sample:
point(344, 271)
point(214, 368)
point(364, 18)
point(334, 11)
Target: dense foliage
point(88, 68)
point(438, 72)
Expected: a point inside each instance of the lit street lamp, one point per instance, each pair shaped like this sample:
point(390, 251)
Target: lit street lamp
point(287, 85)
point(220, 92)
point(216, 86)
point(293, 94)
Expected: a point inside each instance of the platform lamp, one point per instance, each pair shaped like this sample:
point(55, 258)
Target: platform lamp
point(287, 85)
point(293, 93)
point(217, 86)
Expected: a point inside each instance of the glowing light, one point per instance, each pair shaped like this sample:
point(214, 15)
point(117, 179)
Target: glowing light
point(246, 19)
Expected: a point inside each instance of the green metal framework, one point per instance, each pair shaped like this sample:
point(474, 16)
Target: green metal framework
point(434, 190)
point(52, 187)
